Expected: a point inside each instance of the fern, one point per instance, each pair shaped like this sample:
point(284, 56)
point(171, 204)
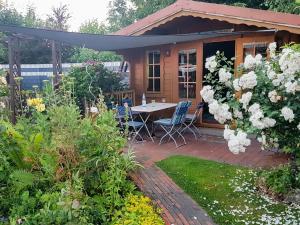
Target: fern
point(21, 179)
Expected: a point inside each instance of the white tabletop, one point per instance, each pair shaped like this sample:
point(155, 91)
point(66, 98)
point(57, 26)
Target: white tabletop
point(153, 107)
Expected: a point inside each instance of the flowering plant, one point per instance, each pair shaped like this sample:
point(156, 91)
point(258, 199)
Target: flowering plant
point(262, 100)
point(3, 95)
point(37, 103)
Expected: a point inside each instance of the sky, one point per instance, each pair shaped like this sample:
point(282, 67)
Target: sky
point(80, 10)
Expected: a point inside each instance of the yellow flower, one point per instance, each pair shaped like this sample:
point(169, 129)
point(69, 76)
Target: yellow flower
point(29, 102)
point(34, 101)
point(40, 108)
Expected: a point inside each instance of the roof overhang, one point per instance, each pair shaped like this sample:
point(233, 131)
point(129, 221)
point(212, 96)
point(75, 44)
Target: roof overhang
point(220, 17)
point(232, 14)
point(112, 42)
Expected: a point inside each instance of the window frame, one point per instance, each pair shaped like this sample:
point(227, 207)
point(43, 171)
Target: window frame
point(186, 83)
point(153, 78)
point(252, 46)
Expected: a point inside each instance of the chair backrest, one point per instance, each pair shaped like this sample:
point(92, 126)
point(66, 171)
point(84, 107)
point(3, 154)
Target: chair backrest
point(180, 113)
point(199, 107)
point(123, 112)
point(128, 101)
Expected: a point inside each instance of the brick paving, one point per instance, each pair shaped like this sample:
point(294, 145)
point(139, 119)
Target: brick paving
point(177, 207)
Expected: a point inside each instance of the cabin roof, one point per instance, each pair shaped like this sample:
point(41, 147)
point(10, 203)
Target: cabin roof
point(231, 14)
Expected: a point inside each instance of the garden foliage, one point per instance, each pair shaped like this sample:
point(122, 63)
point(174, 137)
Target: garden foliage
point(92, 80)
point(59, 168)
point(262, 100)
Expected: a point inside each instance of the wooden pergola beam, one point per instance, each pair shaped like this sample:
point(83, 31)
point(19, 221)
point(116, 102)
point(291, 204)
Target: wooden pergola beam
point(14, 71)
point(56, 62)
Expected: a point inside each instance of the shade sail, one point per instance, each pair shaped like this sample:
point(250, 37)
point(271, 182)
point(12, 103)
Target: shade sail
point(110, 42)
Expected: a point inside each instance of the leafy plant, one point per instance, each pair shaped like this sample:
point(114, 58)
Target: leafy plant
point(91, 81)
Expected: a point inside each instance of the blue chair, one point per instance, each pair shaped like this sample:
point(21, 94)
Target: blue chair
point(129, 103)
point(173, 126)
point(191, 119)
point(124, 115)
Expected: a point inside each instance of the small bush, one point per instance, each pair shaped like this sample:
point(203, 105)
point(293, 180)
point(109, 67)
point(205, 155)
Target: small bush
point(277, 182)
point(137, 211)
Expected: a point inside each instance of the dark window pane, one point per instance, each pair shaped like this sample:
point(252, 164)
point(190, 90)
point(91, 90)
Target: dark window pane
point(182, 90)
point(157, 71)
point(182, 58)
point(157, 85)
point(192, 90)
point(181, 77)
point(150, 85)
point(150, 71)
point(192, 76)
point(150, 58)
point(156, 58)
point(261, 50)
point(193, 59)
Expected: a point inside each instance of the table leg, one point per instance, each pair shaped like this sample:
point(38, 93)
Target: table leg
point(145, 125)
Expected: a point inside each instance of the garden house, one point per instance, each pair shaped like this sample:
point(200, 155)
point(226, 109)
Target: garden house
point(175, 71)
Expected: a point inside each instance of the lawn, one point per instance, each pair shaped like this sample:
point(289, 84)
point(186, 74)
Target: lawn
point(227, 192)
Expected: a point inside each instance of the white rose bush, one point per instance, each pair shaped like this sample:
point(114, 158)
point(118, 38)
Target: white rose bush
point(260, 98)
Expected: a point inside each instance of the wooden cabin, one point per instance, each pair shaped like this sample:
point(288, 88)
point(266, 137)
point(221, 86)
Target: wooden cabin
point(175, 71)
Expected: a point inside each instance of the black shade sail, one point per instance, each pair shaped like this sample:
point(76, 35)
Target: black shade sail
point(110, 42)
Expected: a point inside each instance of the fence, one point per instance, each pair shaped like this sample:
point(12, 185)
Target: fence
point(35, 74)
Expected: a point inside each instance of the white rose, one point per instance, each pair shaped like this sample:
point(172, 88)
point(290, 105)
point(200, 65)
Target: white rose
point(207, 94)
point(245, 99)
point(211, 63)
point(224, 75)
point(288, 114)
point(272, 49)
point(291, 87)
point(248, 81)
point(236, 85)
point(273, 96)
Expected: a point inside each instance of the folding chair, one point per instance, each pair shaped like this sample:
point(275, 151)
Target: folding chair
point(129, 103)
point(124, 115)
point(191, 119)
point(173, 126)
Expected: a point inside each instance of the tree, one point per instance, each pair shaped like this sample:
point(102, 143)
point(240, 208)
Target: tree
point(31, 19)
point(93, 27)
point(287, 6)
point(119, 15)
point(59, 18)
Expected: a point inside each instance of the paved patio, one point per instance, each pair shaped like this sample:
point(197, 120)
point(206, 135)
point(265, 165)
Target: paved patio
point(178, 208)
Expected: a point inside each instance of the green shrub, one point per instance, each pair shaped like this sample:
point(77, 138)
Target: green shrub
point(93, 80)
point(277, 182)
point(138, 211)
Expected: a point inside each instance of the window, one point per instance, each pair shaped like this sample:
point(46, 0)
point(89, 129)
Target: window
point(187, 61)
point(153, 71)
point(255, 48)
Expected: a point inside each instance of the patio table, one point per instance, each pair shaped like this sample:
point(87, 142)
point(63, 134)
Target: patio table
point(149, 109)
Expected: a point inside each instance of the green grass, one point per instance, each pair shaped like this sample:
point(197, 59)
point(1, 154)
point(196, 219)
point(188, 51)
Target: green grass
point(226, 192)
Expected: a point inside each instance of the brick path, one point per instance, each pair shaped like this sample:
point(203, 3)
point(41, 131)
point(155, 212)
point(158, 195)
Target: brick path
point(178, 208)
